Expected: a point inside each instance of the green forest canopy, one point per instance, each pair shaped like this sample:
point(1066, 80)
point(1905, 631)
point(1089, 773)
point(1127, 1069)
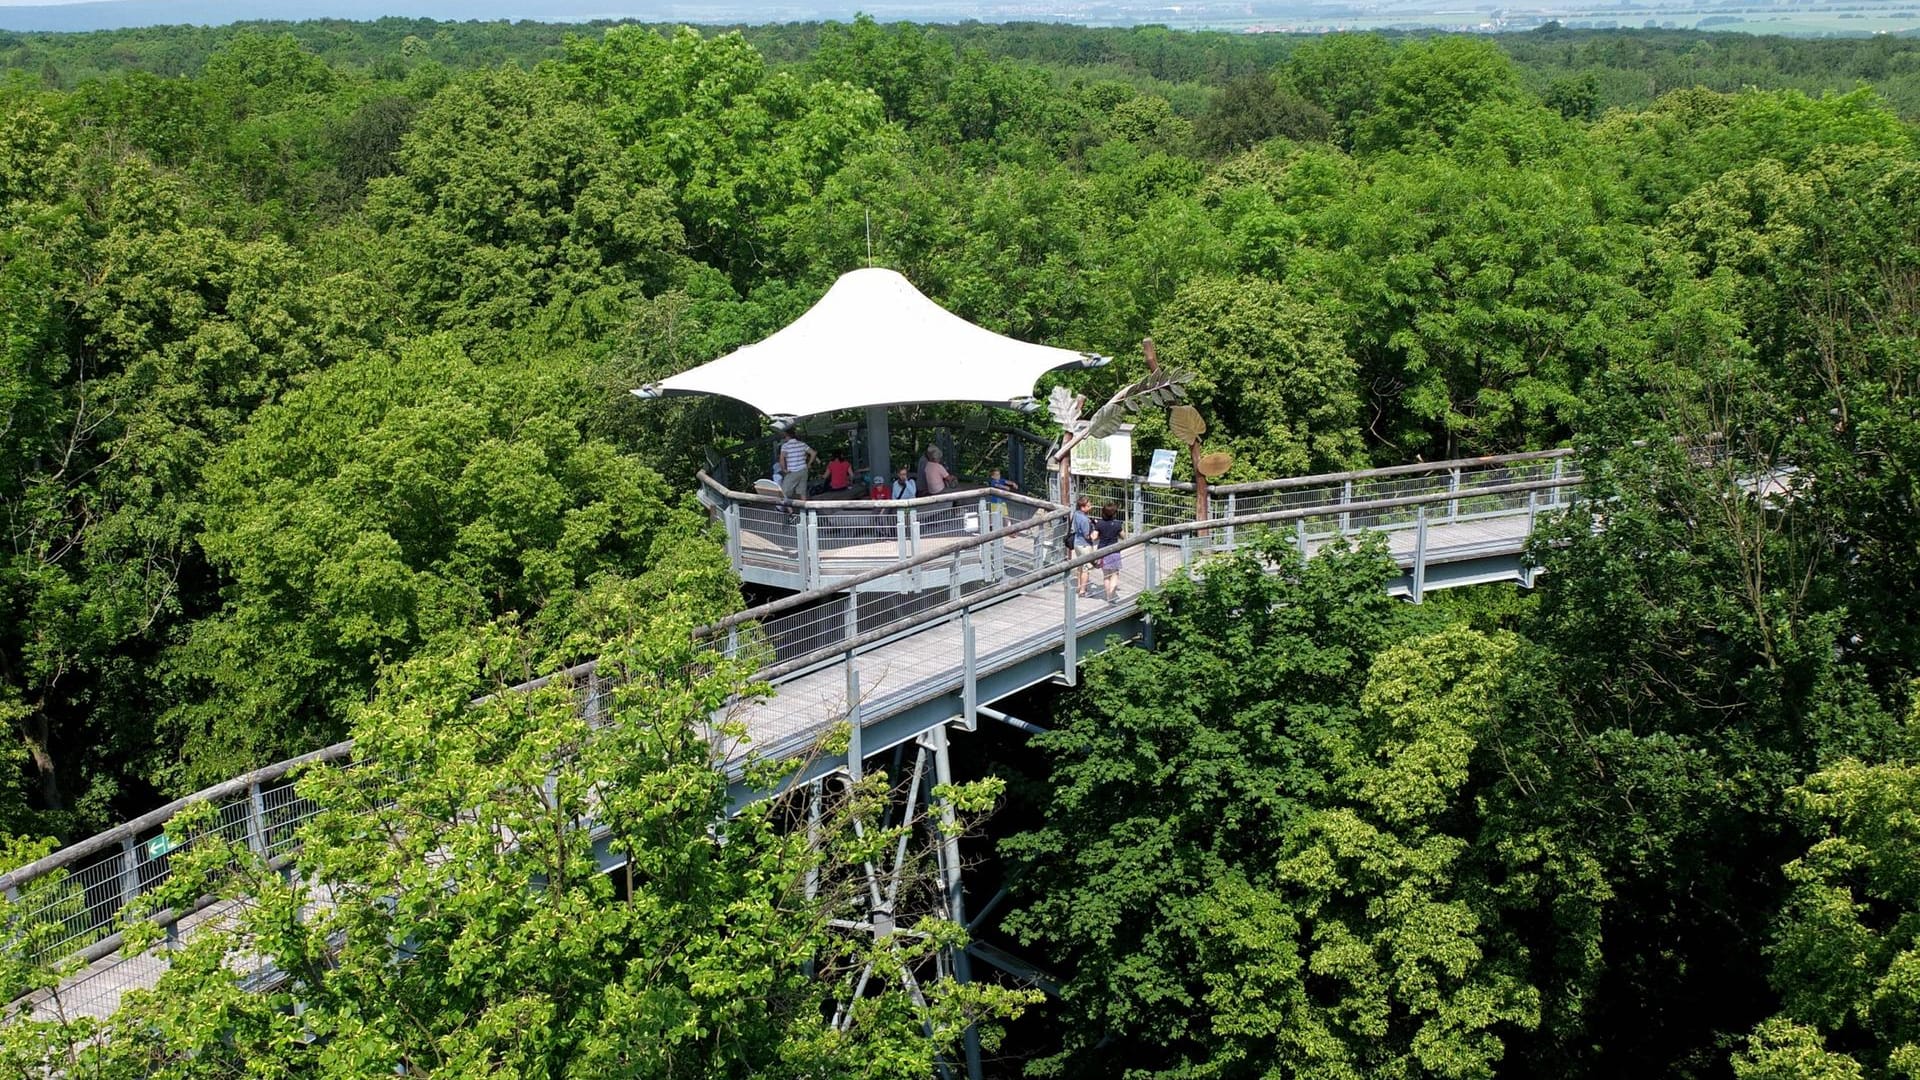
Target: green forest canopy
point(316, 341)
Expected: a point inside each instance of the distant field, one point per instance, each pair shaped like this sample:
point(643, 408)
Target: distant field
point(1823, 22)
point(1852, 23)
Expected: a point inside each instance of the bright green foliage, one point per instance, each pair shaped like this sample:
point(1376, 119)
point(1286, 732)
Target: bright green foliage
point(1342, 74)
point(902, 64)
point(511, 197)
point(1284, 841)
point(1783, 1050)
point(1480, 293)
point(1430, 89)
point(1691, 136)
point(142, 338)
point(1177, 767)
point(1816, 264)
point(1256, 108)
point(451, 918)
point(1846, 958)
point(1364, 953)
point(390, 503)
point(1272, 373)
point(314, 351)
point(1706, 671)
point(734, 147)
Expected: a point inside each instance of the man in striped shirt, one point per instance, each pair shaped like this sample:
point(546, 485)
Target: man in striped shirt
point(796, 458)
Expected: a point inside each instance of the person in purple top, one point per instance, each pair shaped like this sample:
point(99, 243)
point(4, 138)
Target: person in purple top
point(1106, 533)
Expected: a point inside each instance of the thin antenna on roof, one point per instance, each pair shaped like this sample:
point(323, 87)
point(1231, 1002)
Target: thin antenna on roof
point(869, 239)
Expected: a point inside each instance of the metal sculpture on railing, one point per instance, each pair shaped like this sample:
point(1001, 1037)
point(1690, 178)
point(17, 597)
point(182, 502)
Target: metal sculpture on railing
point(1188, 425)
point(1156, 389)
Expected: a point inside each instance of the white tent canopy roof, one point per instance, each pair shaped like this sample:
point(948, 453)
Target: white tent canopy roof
point(874, 340)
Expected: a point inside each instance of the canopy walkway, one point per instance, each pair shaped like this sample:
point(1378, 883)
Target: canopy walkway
point(963, 614)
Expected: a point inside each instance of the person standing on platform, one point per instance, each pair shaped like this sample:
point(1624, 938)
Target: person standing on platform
point(1080, 540)
point(1106, 533)
point(996, 504)
point(938, 478)
point(903, 487)
point(796, 458)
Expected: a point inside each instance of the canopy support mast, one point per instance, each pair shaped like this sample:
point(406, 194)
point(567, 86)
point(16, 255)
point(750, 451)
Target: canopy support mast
point(877, 437)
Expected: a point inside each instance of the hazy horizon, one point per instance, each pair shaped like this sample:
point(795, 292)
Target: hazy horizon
point(1823, 17)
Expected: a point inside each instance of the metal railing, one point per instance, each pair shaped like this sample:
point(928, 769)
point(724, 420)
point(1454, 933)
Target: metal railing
point(1424, 528)
point(817, 543)
point(68, 905)
point(971, 447)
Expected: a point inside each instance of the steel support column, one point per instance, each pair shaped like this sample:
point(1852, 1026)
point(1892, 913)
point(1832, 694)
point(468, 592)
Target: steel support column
point(1526, 571)
point(853, 719)
point(732, 516)
point(1420, 555)
point(1069, 660)
point(950, 871)
point(256, 821)
point(969, 675)
point(878, 439)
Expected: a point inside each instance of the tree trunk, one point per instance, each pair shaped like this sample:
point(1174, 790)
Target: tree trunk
point(39, 739)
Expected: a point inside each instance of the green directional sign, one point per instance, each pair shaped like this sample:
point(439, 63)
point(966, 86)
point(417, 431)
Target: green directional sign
point(159, 846)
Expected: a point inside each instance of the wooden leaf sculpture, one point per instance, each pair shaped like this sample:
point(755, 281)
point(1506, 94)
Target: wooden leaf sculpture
point(1213, 466)
point(1186, 422)
point(1065, 406)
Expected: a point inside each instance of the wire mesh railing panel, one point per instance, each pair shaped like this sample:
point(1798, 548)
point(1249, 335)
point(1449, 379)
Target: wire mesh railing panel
point(794, 633)
point(1163, 506)
point(767, 536)
point(1106, 491)
point(841, 532)
point(68, 914)
point(284, 811)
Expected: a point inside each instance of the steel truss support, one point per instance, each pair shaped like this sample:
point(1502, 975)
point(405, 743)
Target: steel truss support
point(886, 878)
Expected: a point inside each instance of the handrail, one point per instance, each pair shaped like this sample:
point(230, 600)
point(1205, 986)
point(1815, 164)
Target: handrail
point(840, 585)
point(1163, 532)
point(19, 876)
point(1411, 469)
point(914, 503)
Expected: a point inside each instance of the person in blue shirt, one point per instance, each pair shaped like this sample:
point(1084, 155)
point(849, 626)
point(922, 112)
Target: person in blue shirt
point(997, 506)
point(903, 486)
